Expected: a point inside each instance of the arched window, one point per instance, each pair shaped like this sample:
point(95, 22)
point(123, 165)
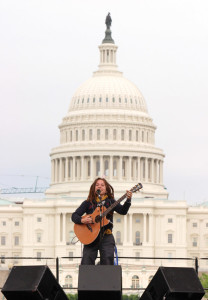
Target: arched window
point(118, 237)
point(106, 167)
point(135, 282)
point(130, 135)
point(98, 134)
point(90, 134)
point(106, 134)
point(68, 281)
point(83, 134)
point(137, 238)
point(170, 238)
point(39, 237)
point(194, 241)
point(137, 136)
point(142, 136)
point(114, 134)
point(70, 135)
point(122, 134)
point(76, 135)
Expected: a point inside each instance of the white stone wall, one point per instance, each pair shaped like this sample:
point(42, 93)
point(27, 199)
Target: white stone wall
point(45, 227)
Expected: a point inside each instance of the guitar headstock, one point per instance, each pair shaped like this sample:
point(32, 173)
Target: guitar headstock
point(136, 188)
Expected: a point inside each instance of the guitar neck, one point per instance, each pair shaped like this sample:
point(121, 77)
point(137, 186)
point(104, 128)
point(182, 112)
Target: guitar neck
point(113, 205)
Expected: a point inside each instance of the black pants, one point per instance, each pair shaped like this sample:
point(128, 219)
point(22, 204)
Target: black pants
point(105, 247)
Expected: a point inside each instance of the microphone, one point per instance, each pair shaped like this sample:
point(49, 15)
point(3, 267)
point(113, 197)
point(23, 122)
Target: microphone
point(98, 192)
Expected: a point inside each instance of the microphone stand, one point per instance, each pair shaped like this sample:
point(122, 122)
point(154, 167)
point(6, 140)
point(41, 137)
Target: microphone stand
point(100, 205)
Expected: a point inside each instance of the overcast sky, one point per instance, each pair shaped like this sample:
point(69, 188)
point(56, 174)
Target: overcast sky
point(49, 47)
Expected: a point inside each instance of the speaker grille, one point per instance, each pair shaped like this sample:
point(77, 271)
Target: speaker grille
point(174, 283)
point(32, 282)
point(99, 282)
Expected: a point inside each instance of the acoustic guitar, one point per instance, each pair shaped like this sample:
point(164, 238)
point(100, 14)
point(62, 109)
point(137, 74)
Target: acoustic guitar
point(87, 233)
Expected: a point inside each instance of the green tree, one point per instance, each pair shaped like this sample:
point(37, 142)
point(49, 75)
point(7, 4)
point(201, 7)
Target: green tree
point(204, 281)
point(72, 296)
point(131, 297)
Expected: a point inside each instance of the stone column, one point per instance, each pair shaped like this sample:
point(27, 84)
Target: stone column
point(52, 171)
point(152, 170)
point(110, 167)
point(146, 169)
point(161, 172)
point(139, 167)
point(120, 168)
point(66, 169)
point(125, 229)
point(57, 228)
point(134, 169)
point(83, 170)
point(144, 228)
point(56, 170)
point(60, 170)
point(156, 171)
point(91, 168)
point(78, 167)
point(64, 229)
point(151, 229)
point(129, 169)
point(101, 166)
point(73, 167)
point(130, 228)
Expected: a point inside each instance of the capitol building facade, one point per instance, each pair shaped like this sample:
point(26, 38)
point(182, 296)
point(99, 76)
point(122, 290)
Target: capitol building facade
point(107, 132)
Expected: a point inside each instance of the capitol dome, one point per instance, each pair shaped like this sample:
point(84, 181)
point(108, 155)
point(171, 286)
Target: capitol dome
point(108, 91)
point(107, 132)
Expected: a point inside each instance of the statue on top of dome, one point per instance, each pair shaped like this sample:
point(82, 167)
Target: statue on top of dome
point(108, 21)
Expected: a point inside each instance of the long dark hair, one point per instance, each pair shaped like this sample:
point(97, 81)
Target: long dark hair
point(109, 190)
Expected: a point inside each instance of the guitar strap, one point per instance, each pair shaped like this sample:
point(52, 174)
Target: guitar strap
point(116, 258)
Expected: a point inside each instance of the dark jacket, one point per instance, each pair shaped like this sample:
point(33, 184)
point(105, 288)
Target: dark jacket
point(88, 208)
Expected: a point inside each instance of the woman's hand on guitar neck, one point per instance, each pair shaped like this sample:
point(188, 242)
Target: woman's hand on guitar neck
point(86, 220)
point(128, 194)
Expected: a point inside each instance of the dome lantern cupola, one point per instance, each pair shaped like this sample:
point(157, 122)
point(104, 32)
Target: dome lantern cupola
point(107, 51)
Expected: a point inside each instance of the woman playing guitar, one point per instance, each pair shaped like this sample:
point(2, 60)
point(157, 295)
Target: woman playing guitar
point(101, 192)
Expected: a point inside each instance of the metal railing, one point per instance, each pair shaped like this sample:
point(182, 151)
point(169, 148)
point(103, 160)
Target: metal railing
point(195, 261)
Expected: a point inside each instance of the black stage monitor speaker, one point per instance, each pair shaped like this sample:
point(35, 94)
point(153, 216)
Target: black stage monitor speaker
point(32, 283)
point(100, 282)
point(174, 284)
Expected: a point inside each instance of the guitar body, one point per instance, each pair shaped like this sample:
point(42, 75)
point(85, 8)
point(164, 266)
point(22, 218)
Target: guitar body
point(87, 233)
